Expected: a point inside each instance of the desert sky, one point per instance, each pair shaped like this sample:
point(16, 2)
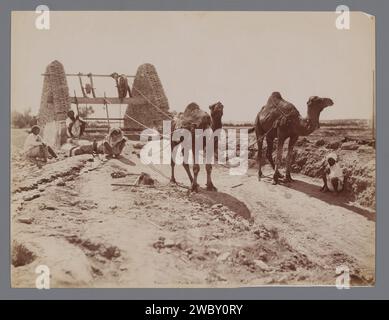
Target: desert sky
point(237, 58)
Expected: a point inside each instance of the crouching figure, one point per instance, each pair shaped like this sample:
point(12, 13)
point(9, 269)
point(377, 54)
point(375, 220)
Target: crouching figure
point(35, 149)
point(113, 144)
point(333, 177)
point(75, 125)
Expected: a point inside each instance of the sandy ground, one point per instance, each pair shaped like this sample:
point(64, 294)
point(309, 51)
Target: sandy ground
point(89, 233)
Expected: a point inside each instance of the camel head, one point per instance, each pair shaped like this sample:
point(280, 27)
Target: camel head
point(315, 106)
point(216, 115)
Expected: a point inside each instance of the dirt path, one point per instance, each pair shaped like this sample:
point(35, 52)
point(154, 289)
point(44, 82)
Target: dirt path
point(93, 234)
point(324, 227)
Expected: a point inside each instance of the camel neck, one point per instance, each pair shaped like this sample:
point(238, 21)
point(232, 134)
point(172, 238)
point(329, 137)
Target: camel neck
point(306, 126)
point(216, 124)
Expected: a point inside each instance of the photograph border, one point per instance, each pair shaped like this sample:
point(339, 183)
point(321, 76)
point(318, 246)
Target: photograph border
point(381, 289)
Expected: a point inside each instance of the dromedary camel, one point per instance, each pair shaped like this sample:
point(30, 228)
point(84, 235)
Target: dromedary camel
point(195, 118)
point(280, 119)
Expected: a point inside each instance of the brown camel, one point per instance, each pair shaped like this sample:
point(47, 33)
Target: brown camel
point(280, 119)
point(195, 118)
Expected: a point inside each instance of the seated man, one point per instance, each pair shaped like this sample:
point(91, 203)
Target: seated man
point(75, 126)
point(35, 148)
point(114, 143)
point(333, 175)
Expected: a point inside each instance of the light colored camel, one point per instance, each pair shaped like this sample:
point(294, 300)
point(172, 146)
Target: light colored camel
point(195, 118)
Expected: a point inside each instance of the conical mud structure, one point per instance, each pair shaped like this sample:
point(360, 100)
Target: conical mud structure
point(55, 102)
point(148, 104)
point(155, 106)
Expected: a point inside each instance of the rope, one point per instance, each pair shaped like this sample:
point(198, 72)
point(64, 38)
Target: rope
point(256, 141)
point(283, 114)
point(153, 104)
point(276, 105)
point(168, 145)
point(152, 167)
point(144, 126)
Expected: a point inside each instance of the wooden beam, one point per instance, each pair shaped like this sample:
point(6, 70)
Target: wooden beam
point(102, 100)
point(103, 119)
point(97, 129)
point(87, 74)
point(101, 128)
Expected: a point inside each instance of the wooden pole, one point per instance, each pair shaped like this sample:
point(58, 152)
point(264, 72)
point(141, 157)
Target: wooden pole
point(91, 83)
point(75, 98)
point(106, 111)
point(82, 86)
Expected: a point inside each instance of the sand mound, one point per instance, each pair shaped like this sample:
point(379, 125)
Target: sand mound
point(358, 169)
point(357, 158)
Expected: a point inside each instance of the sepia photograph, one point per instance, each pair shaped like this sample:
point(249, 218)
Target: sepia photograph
point(192, 149)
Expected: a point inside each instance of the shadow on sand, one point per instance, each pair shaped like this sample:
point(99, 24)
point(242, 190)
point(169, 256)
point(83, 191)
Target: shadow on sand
point(337, 200)
point(214, 197)
point(126, 161)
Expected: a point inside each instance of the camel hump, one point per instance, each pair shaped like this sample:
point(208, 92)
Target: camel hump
point(276, 109)
point(288, 109)
point(276, 95)
point(191, 107)
point(192, 115)
point(275, 98)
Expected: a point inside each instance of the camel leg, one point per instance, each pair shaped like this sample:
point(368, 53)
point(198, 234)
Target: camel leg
point(269, 150)
point(186, 166)
point(292, 142)
point(210, 186)
point(195, 185)
point(259, 134)
point(259, 157)
point(280, 145)
point(187, 169)
point(172, 163)
point(172, 177)
point(196, 167)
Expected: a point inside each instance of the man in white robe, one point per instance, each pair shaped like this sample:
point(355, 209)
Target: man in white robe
point(333, 177)
point(35, 147)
